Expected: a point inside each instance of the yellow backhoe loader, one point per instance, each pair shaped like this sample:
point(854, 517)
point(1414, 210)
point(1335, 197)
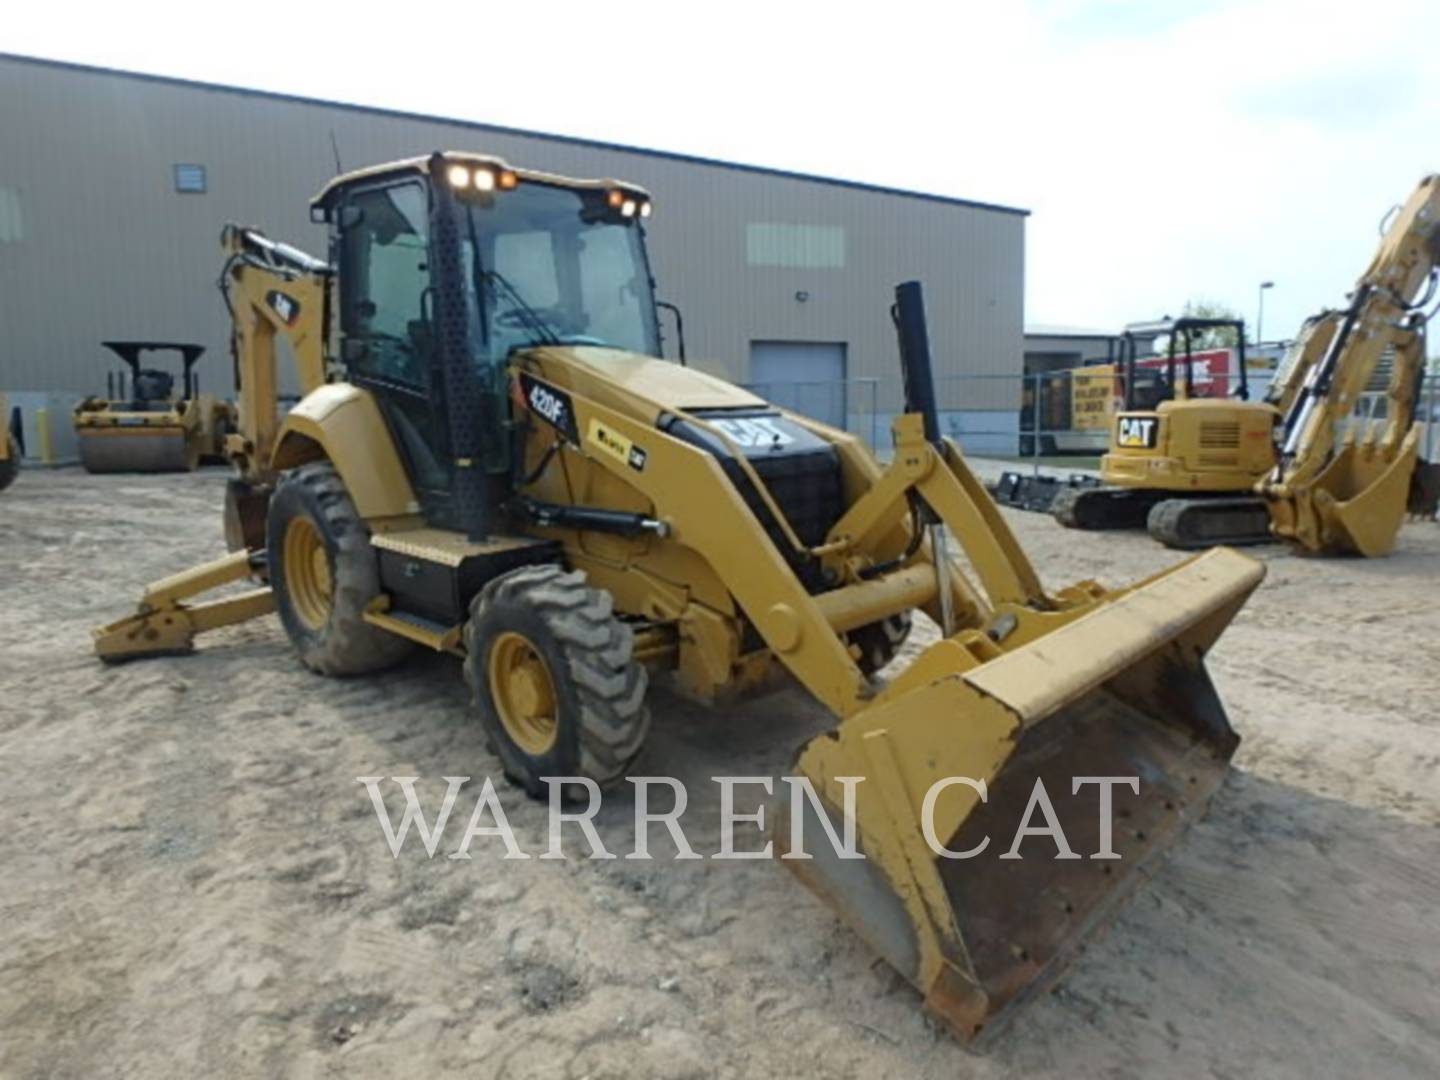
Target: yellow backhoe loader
point(10, 451)
point(492, 460)
point(1169, 440)
point(1346, 493)
point(153, 428)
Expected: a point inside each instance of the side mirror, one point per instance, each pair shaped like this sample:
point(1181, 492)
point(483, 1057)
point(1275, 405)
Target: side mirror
point(350, 216)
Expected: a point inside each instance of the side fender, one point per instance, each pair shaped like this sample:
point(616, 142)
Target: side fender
point(343, 423)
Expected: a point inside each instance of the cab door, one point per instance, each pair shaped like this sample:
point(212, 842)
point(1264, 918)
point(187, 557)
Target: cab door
point(386, 329)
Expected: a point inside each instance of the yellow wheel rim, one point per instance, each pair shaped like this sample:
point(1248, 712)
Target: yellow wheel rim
point(307, 573)
point(524, 693)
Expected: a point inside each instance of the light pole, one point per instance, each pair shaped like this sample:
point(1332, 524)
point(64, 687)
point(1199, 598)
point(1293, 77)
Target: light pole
point(1260, 315)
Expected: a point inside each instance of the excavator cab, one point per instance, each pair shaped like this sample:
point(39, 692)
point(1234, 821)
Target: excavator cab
point(1174, 434)
point(1174, 437)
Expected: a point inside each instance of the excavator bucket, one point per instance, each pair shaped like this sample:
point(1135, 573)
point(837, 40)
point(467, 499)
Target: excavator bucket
point(149, 448)
point(963, 882)
point(1361, 498)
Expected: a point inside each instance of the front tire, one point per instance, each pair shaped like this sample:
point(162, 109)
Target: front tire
point(554, 678)
point(324, 573)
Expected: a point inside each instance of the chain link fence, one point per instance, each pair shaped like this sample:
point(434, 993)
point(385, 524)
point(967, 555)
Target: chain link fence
point(1058, 414)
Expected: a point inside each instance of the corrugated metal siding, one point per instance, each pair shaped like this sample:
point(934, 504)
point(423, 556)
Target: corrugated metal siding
point(110, 249)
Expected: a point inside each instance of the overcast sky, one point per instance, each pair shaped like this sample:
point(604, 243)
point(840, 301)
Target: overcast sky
point(1167, 150)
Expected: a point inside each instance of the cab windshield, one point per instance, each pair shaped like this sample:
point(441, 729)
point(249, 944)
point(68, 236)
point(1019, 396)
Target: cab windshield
point(555, 266)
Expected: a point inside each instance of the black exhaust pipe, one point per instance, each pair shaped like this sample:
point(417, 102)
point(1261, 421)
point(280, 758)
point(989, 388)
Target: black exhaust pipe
point(474, 394)
point(915, 368)
point(919, 378)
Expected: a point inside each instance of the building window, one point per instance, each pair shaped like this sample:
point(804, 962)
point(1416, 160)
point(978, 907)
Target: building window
point(808, 247)
point(190, 179)
point(12, 225)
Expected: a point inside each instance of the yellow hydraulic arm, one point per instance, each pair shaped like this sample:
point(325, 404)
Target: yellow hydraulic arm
point(1352, 499)
point(271, 289)
point(1304, 353)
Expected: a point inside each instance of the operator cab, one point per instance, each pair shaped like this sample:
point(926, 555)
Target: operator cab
point(151, 389)
point(1178, 432)
point(450, 264)
point(1147, 387)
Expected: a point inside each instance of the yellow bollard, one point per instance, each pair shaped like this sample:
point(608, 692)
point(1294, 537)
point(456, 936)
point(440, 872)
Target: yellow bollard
point(47, 443)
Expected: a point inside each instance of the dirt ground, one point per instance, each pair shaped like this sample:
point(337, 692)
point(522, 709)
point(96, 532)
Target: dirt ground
point(193, 883)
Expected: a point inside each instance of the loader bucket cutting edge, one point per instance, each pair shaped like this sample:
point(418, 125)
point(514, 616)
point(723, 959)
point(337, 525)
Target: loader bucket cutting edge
point(979, 935)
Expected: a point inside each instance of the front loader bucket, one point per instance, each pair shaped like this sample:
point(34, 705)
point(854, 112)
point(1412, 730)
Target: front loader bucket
point(137, 449)
point(1119, 690)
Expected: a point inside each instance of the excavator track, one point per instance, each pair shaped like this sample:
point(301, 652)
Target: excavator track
point(1192, 524)
point(1105, 507)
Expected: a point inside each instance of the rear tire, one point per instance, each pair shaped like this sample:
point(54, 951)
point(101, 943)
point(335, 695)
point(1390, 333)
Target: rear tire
point(324, 573)
point(10, 467)
point(553, 676)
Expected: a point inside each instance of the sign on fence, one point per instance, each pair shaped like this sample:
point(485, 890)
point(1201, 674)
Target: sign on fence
point(1092, 397)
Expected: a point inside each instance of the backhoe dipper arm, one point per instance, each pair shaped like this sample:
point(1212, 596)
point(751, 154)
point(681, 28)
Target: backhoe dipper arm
point(270, 288)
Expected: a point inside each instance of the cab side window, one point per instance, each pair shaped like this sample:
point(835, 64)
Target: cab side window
point(383, 279)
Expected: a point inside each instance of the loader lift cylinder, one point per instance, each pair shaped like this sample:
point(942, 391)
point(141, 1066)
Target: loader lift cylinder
point(913, 334)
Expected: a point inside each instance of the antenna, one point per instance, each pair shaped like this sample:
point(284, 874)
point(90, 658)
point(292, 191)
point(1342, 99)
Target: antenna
point(336, 148)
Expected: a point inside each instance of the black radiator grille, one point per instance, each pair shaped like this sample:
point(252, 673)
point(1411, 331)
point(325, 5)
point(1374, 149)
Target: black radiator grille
point(806, 488)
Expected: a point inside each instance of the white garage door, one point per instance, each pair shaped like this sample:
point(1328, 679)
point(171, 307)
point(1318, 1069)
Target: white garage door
point(807, 377)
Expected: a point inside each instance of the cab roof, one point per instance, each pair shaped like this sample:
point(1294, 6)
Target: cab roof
point(420, 166)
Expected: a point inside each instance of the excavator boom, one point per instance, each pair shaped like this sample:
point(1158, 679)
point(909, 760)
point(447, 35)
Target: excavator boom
point(1352, 498)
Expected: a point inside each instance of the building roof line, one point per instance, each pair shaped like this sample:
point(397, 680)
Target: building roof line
point(1068, 332)
point(501, 129)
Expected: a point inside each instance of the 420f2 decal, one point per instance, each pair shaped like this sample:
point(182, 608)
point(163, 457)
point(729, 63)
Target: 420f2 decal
point(551, 404)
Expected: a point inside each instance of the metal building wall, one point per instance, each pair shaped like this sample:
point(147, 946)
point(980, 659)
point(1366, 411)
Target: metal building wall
point(103, 246)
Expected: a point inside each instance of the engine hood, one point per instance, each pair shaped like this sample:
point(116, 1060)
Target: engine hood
point(594, 371)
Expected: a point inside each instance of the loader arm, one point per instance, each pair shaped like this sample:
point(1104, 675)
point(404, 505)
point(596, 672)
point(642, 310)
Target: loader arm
point(1353, 498)
point(1030, 686)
